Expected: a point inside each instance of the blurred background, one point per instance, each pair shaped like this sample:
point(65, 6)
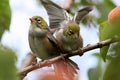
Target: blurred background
point(16, 38)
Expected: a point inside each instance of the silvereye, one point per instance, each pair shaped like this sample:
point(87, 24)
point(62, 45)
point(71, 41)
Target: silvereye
point(67, 33)
point(41, 42)
point(68, 37)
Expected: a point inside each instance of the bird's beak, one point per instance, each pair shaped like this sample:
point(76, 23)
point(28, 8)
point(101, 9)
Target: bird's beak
point(32, 20)
point(76, 35)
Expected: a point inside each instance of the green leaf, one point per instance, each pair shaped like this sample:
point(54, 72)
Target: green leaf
point(106, 31)
point(104, 34)
point(5, 16)
point(97, 55)
point(113, 68)
point(8, 69)
point(93, 73)
point(104, 8)
point(104, 51)
point(101, 29)
point(113, 71)
point(89, 20)
point(110, 3)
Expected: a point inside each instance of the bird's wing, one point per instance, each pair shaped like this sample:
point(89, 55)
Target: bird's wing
point(56, 13)
point(81, 13)
point(54, 42)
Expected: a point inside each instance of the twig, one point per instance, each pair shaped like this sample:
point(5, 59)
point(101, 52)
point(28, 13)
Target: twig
point(23, 72)
point(29, 59)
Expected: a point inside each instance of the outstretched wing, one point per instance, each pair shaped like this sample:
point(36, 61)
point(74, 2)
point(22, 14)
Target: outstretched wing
point(56, 13)
point(81, 13)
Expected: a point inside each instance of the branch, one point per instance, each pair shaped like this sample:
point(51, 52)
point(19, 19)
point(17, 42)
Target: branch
point(23, 72)
point(29, 59)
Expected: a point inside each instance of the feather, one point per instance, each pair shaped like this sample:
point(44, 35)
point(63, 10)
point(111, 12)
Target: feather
point(81, 13)
point(56, 13)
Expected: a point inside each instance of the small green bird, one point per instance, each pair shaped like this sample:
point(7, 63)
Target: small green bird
point(67, 30)
point(41, 42)
point(67, 38)
point(44, 45)
point(67, 34)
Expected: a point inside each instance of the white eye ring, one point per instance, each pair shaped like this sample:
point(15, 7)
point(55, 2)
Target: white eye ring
point(71, 32)
point(38, 20)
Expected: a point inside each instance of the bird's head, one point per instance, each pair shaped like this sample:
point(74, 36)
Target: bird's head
point(39, 22)
point(72, 31)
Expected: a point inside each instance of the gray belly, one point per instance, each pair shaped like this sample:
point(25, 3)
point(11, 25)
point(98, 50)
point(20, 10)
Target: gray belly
point(37, 47)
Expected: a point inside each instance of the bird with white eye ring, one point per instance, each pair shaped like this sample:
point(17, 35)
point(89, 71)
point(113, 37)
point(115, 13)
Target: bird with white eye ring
point(41, 41)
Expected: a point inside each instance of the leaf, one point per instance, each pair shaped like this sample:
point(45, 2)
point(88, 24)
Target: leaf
point(97, 55)
point(104, 51)
point(113, 68)
point(8, 69)
point(89, 20)
point(93, 73)
point(103, 34)
point(106, 31)
point(5, 16)
point(104, 8)
point(112, 72)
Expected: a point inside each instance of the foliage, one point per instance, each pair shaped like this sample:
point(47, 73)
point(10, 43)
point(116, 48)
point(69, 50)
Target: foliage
point(5, 16)
point(96, 72)
point(102, 7)
point(103, 34)
point(93, 73)
point(8, 69)
point(106, 31)
point(112, 71)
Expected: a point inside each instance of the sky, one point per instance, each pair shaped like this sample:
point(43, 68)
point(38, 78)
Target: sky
point(17, 37)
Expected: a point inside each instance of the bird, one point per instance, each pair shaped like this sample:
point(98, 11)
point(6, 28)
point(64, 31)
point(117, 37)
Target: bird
point(44, 45)
point(67, 30)
point(41, 41)
point(67, 33)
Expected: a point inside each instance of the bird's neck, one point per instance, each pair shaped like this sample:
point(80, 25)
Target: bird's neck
point(36, 31)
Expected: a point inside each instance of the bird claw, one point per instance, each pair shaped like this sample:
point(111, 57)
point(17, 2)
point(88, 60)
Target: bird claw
point(34, 61)
point(39, 63)
point(80, 51)
point(62, 56)
point(46, 63)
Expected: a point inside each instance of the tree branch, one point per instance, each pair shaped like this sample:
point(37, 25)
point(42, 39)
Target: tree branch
point(23, 72)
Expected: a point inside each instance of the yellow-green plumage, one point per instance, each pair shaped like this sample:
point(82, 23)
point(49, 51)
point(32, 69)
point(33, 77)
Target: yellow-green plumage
point(68, 36)
point(68, 30)
point(39, 39)
point(39, 21)
point(72, 30)
point(74, 27)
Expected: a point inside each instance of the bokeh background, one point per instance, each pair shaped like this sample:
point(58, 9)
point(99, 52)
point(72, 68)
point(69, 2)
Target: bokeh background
point(17, 36)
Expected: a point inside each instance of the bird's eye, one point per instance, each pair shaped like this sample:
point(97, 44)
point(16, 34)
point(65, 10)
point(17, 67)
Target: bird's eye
point(71, 32)
point(38, 20)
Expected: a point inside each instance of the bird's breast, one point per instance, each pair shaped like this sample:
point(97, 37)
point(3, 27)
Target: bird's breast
point(42, 47)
